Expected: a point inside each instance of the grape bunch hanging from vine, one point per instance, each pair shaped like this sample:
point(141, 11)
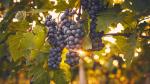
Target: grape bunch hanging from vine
point(69, 33)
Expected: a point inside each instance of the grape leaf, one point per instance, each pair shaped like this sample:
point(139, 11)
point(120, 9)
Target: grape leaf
point(20, 26)
point(20, 44)
point(39, 75)
point(39, 37)
point(62, 5)
point(43, 4)
point(20, 15)
point(59, 77)
point(38, 41)
point(129, 52)
point(24, 43)
point(138, 6)
point(36, 11)
point(86, 43)
point(128, 48)
point(107, 18)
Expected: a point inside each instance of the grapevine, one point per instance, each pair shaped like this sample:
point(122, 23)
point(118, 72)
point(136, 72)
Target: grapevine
point(68, 33)
point(74, 41)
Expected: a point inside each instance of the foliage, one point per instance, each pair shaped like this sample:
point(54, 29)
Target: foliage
point(21, 41)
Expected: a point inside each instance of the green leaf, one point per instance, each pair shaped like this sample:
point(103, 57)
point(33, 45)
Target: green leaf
point(39, 75)
point(106, 18)
point(126, 46)
point(73, 3)
point(59, 77)
point(62, 5)
point(39, 69)
point(20, 44)
point(36, 11)
point(39, 37)
point(130, 49)
point(21, 15)
point(39, 41)
point(138, 6)
point(87, 43)
point(20, 26)
point(43, 4)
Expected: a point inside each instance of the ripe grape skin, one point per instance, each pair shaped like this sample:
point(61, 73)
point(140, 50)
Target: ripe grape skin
point(97, 41)
point(72, 58)
point(67, 33)
point(56, 39)
point(74, 34)
point(54, 58)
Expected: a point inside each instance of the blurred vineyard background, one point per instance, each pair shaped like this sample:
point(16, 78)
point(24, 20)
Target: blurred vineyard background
point(24, 50)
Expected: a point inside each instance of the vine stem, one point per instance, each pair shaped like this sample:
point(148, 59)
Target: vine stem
point(118, 34)
point(125, 35)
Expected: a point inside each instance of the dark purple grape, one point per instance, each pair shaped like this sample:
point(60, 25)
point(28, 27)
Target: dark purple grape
point(97, 40)
point(73, 42)
point(67, 33)
point(71, 38)
point(72, 58)
point(54, 58)
point(56, 38)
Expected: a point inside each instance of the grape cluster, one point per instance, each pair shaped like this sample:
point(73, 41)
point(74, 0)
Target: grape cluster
point(73, 40)
point(74, 34)
point(56, 39)
point(55, 34)
point(55, 58)
point(51, 26)
point(67, 33)
point(93, 7)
